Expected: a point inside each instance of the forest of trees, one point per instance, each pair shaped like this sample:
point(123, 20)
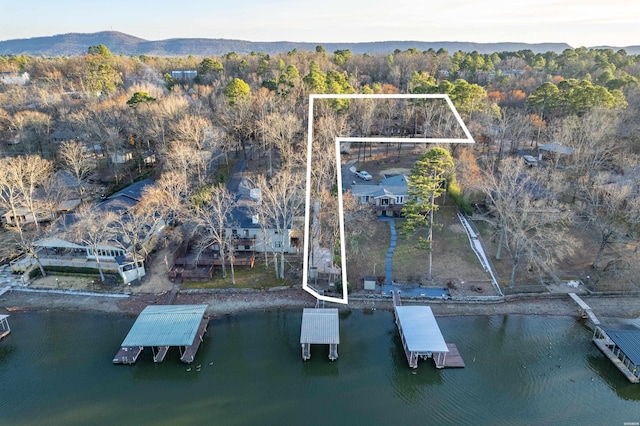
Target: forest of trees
point(78, 112)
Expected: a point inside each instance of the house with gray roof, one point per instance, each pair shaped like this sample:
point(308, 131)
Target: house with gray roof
point(386, 198)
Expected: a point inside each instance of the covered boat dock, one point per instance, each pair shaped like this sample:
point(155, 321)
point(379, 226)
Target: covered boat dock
point(163, 326)
point(622, 346)
point(421, 337)
point(4, 326)
point(320, 326)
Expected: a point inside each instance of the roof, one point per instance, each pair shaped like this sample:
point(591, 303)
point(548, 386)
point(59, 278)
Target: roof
point(56, 242)
point(391, 186)
point(320, 326)
point(420, 329)
point(134, 191)
point(556, 146)
point(166, 325)
point(628, 340)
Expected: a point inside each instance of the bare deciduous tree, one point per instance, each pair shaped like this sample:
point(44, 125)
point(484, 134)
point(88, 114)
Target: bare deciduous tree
point(282, 199)
point(94, 229)
point(212, 218)
point(72, 154)
point(530, 227)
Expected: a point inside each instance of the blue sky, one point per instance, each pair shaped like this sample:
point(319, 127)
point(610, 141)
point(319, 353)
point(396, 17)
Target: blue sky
point(578, 23)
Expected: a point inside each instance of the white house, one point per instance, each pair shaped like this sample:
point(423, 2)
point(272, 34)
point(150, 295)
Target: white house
point(20, 78)
point(115, 255)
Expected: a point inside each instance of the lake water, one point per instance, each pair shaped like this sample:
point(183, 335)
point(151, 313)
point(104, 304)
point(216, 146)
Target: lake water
point(56, 369)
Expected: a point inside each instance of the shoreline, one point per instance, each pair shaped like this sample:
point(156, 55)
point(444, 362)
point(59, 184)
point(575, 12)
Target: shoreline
point(233, 302)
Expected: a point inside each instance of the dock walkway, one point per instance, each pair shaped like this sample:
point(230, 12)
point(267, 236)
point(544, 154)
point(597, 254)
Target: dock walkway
point(190, 351)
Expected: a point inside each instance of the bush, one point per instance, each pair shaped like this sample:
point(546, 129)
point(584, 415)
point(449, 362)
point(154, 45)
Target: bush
point(455, 190)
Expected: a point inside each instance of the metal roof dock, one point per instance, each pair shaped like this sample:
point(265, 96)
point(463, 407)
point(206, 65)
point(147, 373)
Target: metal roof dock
point(421, 337)
point(163, 326)
point(320, 326)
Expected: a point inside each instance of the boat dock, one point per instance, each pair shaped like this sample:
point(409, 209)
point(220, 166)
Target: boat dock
point(620, 344)
point(320, 326)
point(163, 326)
point(4, 326)
point(421, 336)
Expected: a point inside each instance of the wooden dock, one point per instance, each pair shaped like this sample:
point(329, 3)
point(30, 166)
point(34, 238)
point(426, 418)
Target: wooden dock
point(452, 359)
point(128, 355)
point(190, 351)
point(586, 311)
point(160, 354)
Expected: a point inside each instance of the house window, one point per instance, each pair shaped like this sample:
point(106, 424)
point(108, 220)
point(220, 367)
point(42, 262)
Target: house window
point(384, 202)
point(247, 247)
point(364, 199)
point(245, 233)
point(278, 244)
point(234, 232)
point(400, 199)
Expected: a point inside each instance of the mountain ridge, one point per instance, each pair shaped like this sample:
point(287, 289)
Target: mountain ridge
point(71, 44)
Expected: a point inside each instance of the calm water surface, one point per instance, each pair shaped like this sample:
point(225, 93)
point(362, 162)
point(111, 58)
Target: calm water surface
point(55, 369)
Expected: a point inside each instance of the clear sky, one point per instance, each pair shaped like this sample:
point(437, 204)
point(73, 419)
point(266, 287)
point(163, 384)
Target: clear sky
point(579, 23)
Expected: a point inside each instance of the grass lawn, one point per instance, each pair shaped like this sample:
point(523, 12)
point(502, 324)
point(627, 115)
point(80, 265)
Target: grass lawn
point(453, 258)
point(256, 278)
point(366, 252)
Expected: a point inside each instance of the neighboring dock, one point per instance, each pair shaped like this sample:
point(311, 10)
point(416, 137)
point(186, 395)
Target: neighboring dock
point(320, 326)
point(421, 337)
point(621, 345)
point(4, 326)
point(163, 326)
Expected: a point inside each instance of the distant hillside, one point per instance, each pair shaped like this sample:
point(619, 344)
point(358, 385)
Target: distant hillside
point(119, 43)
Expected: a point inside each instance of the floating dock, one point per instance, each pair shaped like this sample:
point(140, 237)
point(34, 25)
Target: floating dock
point(622, 347)
point(421, 337)
point(320, 326)
point(163, 326)
point(4, 326)
point(621, 344)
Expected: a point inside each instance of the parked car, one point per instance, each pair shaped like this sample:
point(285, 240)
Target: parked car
point(364, 175)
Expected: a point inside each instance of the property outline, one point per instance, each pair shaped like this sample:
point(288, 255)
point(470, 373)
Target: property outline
point(305, 268)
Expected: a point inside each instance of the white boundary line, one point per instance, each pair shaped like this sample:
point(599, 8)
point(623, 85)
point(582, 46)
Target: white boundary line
point(305, 269)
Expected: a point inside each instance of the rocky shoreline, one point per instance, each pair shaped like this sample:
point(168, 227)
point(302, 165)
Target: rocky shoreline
point(232, 302)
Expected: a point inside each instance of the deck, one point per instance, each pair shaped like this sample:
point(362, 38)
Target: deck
point(453, 359)
point(190, 351)
point(128, 355)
